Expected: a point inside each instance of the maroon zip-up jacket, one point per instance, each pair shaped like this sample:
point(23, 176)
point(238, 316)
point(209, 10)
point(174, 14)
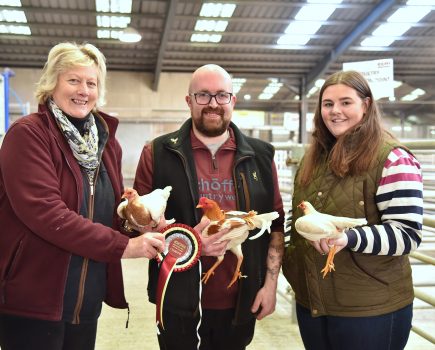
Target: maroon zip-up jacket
point(41, 189)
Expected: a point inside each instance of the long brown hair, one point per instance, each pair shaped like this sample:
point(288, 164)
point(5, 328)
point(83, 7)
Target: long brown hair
point(354, 151)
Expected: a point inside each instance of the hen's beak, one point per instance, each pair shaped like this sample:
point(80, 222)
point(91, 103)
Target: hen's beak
point(199, 206)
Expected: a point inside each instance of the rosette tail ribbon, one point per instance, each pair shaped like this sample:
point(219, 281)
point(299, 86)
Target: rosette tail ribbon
point(183, 248)
point(166, 269)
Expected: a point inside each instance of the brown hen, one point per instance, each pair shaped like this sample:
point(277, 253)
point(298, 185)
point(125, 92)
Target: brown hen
point(239, 224)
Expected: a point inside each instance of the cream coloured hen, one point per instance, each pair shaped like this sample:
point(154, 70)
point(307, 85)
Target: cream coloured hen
point(141, 211)
point(315, 226)
point(239, 224)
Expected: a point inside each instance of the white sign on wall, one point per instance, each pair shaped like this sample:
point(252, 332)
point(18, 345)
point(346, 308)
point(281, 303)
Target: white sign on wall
point(2, 105)
point(379, 74)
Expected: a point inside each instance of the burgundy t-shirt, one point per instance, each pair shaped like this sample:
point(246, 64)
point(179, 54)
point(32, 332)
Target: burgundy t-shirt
point(215, 182)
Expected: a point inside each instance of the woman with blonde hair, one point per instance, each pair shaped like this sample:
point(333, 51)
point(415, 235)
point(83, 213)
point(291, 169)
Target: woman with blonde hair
point(60, 183)
point(354, 168)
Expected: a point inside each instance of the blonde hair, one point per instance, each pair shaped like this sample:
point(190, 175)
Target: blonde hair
point(65, 56)
point(353, 152)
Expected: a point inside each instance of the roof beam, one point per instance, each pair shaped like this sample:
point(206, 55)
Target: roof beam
point(164, 42)
point(359, 30)
point(85, 12)
point(70, 26)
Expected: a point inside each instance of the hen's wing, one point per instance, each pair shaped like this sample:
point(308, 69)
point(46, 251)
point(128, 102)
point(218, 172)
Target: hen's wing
point(137, 214)
point(314, 227)
point(344, 222)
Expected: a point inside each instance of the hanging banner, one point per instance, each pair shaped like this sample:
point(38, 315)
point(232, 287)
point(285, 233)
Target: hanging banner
point(379, 74)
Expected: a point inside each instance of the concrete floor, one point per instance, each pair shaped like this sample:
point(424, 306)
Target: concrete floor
point(276, 332)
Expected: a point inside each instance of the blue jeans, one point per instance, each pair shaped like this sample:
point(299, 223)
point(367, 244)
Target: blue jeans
point(384, 332)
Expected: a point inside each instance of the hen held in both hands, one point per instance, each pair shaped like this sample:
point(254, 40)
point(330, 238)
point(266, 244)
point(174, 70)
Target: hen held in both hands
point(239, 224)
point(315, 226)
point(146, 210)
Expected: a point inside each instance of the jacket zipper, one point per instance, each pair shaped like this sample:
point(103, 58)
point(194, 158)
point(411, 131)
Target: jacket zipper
point(248, 205)
point(190, 181)
point(214, 162)
point(78, 307)
point(84, 272)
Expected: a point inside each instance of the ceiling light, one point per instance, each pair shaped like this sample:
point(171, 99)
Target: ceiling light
point(303, 27)
point(377, 41)
point(217, 10)
point(397, 83)
point(130, 35)
point(392, 29)
point(205, 38)
point(409, 14)
point(288, 39)
point(211, 26)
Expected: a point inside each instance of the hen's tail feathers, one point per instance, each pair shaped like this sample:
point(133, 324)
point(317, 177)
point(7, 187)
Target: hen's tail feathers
point(263, 222)
point(167, 191)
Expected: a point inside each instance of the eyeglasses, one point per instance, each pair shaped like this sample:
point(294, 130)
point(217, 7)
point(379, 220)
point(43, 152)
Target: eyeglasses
point(204, 98)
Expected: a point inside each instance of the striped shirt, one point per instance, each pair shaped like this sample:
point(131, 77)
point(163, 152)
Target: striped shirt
point(399, 199)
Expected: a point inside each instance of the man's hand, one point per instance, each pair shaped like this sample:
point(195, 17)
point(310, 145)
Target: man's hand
point(210, 245)
point(265, 301)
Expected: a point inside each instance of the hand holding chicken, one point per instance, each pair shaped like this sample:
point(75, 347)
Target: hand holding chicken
point(238, 224)
point(316, 227)
point(144, 212)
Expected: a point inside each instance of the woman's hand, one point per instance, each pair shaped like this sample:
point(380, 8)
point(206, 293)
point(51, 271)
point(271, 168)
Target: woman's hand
point(323, 246)
point(147, 245)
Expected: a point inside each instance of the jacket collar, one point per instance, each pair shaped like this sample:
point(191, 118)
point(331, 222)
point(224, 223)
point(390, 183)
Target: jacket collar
point(112, 123)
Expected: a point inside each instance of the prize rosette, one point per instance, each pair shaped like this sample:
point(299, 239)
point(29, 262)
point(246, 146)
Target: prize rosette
point(182, 251)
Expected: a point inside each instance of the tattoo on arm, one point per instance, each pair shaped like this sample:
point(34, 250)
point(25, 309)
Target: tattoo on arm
point(274, 256)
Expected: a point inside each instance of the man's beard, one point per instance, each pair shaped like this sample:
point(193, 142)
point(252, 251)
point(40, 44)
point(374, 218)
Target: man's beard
point(215, 130)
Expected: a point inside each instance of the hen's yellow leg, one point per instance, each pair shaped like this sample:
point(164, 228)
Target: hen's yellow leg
point(329, 266)
point(237, 273)
point(210, 272)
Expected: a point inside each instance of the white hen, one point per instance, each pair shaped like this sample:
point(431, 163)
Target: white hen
point(144, 210)
point(315, 226)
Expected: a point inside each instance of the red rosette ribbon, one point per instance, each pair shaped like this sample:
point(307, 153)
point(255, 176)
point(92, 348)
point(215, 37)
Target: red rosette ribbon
point(182, 251)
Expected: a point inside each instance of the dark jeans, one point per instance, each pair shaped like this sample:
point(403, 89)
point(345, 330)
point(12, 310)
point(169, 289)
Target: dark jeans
point(216, 332)
point(384, 332)
point(20, 333)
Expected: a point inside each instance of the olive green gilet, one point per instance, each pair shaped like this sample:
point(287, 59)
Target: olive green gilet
point(362, 284)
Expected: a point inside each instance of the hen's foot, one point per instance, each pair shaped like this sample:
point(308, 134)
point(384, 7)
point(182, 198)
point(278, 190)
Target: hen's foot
point(206, 276)
point(329, 266)
point(236, 277)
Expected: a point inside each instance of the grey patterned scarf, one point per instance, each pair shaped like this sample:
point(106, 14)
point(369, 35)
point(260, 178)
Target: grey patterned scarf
point(84, 148)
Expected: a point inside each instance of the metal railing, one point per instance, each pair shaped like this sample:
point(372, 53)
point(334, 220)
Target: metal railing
point(287, 159)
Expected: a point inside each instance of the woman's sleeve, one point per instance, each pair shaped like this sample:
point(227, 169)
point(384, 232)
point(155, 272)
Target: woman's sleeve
point(399, 198)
